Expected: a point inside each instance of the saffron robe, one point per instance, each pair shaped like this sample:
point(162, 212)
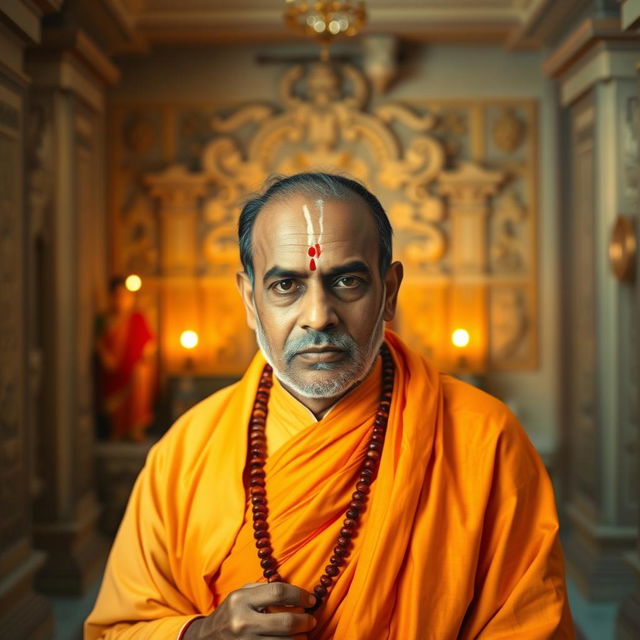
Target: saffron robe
point(459, 538)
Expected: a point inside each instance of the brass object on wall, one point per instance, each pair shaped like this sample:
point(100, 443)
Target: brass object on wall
point(623, 249)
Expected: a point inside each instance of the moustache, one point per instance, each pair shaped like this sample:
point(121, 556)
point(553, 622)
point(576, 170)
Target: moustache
point(313, 338)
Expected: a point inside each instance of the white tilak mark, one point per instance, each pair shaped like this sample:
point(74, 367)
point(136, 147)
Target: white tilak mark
point(307, 217)
point(320, 204)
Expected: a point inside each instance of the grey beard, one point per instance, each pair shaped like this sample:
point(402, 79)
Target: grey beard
point(361, 359)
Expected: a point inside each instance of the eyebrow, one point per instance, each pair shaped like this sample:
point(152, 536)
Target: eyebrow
point(356, 266)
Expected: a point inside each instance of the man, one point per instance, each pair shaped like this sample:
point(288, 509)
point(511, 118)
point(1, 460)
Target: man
point(385, 500)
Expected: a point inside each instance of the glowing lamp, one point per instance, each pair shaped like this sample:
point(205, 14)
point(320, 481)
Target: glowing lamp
point(460, 338)
point(189, 339)
point(133, 282)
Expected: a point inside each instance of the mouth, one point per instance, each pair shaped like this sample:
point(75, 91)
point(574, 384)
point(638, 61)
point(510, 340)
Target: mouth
point(321, 354)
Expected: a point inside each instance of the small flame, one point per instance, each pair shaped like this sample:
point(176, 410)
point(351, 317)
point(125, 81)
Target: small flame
point(189, 339)
point(460, 338)
point(133, 282)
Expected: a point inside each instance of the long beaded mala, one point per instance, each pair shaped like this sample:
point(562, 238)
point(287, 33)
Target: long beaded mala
point(366, 475)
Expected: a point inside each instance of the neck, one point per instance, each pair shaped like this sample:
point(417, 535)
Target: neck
point(319, 407)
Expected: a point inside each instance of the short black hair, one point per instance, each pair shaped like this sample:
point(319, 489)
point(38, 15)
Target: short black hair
point(116, 282)
point(323, 184)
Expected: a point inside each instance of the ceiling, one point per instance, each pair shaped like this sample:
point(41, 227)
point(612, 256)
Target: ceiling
point(137, 25)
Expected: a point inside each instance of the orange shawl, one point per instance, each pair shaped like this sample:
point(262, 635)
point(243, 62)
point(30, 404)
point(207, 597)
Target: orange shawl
point(459, 539)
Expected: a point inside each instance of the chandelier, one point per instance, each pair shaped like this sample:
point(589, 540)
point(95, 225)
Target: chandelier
point(325, 20)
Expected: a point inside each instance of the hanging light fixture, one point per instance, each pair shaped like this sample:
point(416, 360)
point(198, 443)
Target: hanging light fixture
point(325, 20)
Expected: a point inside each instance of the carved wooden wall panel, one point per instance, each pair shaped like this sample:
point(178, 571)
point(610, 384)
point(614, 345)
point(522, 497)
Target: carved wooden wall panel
point(458, 179)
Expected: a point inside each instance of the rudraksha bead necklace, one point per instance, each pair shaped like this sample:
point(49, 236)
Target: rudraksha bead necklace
point(366, 475)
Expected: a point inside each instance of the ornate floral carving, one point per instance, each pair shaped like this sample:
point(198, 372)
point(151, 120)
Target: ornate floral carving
point(427, 161)
point(508, 131)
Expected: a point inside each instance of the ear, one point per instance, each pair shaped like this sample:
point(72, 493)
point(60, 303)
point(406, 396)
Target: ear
point(392, 280)
point(246, 293)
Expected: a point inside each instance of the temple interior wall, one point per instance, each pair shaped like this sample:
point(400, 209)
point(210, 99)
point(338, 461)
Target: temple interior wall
point(234, 75)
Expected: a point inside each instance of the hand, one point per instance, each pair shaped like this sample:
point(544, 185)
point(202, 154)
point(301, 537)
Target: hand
point(243, 614)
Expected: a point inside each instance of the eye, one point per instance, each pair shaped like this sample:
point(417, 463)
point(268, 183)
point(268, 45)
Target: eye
point(285, 286)
point(348, 282)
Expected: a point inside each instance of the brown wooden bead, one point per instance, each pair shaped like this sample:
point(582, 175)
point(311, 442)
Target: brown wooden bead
point(256, 461)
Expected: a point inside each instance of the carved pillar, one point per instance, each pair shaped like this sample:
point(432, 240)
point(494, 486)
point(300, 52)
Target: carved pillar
point(595, 67)
point(70, 76)
point(628, 626)
point(179, 193)
point(23, 614)
point(468, 190)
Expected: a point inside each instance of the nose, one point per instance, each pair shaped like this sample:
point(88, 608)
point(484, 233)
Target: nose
point(318, 311)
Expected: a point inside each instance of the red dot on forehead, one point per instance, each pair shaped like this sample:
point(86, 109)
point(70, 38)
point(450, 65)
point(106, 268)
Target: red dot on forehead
point(311, 252)
point(312, 264)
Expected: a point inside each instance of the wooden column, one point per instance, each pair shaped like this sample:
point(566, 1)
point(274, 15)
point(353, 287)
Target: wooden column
point(178, 193)
point(468, 191)
point(628, 623)
point(23, 614)
point(70, 76)
point(596, 91)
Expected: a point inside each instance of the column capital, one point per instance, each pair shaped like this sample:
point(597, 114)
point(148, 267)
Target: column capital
point(470, 185)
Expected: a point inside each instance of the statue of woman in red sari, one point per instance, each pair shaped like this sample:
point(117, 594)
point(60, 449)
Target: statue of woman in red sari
point(125, 347)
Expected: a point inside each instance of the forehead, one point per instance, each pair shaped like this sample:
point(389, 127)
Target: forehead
point(287, 227)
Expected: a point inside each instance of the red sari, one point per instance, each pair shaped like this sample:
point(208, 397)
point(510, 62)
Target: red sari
point(126, 382)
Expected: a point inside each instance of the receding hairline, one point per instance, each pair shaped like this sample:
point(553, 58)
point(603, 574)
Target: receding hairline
point(310, 190)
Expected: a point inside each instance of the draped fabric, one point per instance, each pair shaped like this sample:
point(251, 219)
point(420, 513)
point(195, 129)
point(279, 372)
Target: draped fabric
point(125, 389)
point(459, 538)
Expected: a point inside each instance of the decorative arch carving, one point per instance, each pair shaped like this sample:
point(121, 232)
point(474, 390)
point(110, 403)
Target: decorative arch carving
point(462, 202)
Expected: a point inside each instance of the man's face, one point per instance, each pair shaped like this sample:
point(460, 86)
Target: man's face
point(318, 303)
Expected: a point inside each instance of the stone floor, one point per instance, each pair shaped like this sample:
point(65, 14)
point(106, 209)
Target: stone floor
point(595, 621)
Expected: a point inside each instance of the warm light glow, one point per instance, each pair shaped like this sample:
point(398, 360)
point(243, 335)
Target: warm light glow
point(460, 338)
point(133, 282)
point(189, 339)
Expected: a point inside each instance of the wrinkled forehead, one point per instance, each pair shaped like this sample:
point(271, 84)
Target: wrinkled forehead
point(290, 226)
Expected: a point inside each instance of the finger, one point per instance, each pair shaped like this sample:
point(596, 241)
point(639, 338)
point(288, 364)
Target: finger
point(286, 624)
point(280, 593)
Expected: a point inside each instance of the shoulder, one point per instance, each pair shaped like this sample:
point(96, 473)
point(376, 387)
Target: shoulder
point(190, 435)
point(485, 436)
